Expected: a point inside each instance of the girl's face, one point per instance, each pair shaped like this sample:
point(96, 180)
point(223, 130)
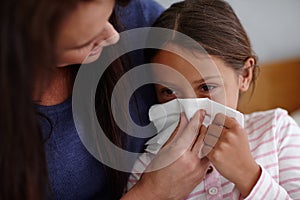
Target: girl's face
point(85, 32)
point(210, 78)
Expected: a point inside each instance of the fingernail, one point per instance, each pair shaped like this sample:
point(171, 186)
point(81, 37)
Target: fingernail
point(205, 151)
point(202, 112)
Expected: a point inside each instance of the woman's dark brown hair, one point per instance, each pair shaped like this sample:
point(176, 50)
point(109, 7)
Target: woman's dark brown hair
point(214, 25)
point(28, 32)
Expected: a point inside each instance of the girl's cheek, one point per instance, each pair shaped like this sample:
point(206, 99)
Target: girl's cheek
point(218, 95)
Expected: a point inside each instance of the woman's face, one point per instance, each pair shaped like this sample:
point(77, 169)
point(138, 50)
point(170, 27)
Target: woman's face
point(85, 32)
point(210, 78)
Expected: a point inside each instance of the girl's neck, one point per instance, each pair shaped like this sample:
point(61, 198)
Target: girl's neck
point(55, 90)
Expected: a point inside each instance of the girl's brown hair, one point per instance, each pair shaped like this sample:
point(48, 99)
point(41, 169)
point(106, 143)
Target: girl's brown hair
point(214, 25)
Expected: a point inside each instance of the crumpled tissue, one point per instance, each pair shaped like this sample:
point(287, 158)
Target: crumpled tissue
point(165, 117)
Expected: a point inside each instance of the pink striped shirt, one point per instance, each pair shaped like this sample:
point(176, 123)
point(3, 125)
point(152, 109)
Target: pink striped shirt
point(274, 139)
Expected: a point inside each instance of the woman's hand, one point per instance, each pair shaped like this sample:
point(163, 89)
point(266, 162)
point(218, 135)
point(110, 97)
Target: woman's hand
point(177, 168)
point(231, 154)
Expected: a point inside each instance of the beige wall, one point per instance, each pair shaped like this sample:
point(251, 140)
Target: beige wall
point(278, 85)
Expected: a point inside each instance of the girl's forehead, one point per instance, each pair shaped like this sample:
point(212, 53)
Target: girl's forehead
point(189, 61)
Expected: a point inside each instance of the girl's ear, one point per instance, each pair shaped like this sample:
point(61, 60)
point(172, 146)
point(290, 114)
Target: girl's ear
point(245, 77)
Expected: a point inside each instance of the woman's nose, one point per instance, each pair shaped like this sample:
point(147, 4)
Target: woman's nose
point(110, 35)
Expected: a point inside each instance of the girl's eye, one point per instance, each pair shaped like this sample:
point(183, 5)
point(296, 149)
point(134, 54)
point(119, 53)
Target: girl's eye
point(207, 88)
point(167, 92)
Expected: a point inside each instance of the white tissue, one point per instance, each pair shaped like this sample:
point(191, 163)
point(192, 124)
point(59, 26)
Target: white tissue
point(166, 117)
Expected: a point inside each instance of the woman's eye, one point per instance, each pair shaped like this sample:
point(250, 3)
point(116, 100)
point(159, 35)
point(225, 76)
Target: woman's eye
point(83, 49)
point(90, 46)
point(207, 88)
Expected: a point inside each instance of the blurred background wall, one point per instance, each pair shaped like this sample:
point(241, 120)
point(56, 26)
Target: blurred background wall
point(272, 25)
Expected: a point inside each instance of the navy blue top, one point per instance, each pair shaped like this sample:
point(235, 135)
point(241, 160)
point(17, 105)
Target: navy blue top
point(73, 172)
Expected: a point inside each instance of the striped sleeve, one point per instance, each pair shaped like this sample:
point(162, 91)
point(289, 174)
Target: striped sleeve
point(139, 167)
point(287, 139)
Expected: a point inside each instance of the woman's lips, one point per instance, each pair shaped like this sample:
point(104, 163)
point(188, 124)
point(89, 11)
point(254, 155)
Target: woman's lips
point(96, 51)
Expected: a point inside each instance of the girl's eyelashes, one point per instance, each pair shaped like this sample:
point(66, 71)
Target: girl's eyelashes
point(206, 87)
point(167, 92)
point(203, 90)
point(82, 49)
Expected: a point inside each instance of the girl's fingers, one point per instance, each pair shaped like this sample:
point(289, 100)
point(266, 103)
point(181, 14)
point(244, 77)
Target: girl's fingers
point(181, 125)
point(181, 143)
point(211, 138)
point(186, 138)
point(179, 129)
point(196, 148)
point(223, 120)
point(199, 129)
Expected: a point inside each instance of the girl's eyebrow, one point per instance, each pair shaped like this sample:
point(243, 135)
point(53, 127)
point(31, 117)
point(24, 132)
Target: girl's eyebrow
point(166, 84)
point(205, 79)
point(163, 83)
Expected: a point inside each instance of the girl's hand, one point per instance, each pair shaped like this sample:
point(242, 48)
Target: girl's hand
point(177, 168)
point(231, 154)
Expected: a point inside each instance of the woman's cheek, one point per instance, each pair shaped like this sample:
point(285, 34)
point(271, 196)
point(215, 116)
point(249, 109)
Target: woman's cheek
point(72, 58)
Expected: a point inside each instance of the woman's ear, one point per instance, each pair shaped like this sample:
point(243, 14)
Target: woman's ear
point(245, 77)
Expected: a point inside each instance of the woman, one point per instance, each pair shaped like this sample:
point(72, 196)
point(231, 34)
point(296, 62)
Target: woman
point(39, 40)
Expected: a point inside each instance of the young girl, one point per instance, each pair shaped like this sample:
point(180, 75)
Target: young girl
point(259, 161)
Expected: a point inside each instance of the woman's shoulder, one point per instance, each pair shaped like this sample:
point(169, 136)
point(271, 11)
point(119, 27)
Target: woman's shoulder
point(139, 13)
point(148, 8)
